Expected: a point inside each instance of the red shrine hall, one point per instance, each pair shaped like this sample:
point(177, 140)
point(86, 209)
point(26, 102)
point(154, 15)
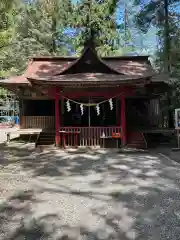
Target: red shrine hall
point(88, 100)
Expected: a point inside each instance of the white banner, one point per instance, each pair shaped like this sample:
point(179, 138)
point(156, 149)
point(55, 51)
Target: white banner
point(177, 118)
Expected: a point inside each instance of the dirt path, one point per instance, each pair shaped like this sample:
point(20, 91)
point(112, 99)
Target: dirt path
point(94, 195)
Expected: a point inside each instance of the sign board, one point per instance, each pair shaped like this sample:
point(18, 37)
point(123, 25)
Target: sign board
point(177, 118)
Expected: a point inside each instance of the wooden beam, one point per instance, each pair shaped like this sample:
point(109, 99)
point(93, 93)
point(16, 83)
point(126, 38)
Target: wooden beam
point(57, 120)
point(52, 92)
point(123, 120)
point(106, 94)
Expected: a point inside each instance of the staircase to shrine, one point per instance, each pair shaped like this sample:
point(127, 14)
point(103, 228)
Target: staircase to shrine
point(46, 138)
point(136, 140)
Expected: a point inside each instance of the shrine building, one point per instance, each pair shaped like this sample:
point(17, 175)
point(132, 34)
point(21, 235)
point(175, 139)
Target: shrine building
point(88, 100)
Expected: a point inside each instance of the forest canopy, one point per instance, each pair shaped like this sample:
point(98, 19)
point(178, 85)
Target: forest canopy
point(60, 27)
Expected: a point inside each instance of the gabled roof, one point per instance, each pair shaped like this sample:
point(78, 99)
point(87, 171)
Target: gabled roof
point(62, 68)
point(89, 61)
point(16, 80)
point(86, 77)
point(49, 67)
point(131, 66)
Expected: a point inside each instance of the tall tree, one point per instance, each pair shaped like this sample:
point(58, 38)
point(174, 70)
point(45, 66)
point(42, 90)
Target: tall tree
point(101, 17)
point(7, 29)
point(39, 30)
point(6, 22)
point(59, 12)
point(161, 13)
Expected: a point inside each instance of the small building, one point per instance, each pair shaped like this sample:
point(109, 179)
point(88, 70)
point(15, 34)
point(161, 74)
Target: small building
point(9, 108)
point(86, 100)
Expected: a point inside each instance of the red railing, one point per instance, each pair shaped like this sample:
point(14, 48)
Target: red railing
point(86, 136)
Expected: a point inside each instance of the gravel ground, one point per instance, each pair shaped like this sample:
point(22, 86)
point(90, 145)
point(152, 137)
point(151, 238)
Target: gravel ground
point(93, 195)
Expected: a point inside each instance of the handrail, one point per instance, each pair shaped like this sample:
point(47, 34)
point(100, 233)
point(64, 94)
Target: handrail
point(144, 139)
point(38, 136)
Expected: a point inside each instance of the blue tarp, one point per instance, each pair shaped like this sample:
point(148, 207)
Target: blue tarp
point(14, 119)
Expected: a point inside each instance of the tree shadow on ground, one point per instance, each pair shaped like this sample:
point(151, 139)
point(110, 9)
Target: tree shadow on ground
point(17, 221)
point(106, 195)
point(14, 152)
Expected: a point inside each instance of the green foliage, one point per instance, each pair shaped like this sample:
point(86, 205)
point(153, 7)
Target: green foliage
point(164, 16)
point(6, 22)
point(153, 13)
point(7, 14)
point(36, 27)
point(37, 30)
point(3, 93)
point(99, 16)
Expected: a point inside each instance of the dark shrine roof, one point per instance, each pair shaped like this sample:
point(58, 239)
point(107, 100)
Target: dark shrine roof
point(125, 65)
point(88, 66)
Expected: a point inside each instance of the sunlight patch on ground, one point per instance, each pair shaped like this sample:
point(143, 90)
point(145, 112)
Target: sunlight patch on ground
point(128, 159)
point(151, 157)
point(123, 167)
point(89, 156)
point(135, 171)
point(150, 162)
point(153, 173)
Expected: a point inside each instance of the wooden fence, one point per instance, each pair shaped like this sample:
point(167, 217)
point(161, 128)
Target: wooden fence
point(37, 122)
point(87, 136)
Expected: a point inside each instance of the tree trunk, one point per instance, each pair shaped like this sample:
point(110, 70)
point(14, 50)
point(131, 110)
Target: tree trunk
point(166, 38)
point(125, 27)
point(54, 25)
point(166, 59)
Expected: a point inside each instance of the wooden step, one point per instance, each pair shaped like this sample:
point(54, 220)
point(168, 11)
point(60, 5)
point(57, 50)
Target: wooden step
point(134, 145)
point(136, 140)
point(46, 138)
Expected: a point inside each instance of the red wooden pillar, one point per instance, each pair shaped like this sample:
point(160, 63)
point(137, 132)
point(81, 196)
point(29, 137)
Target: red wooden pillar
point(57, 120)
point(123, 120)
point(118, 118)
